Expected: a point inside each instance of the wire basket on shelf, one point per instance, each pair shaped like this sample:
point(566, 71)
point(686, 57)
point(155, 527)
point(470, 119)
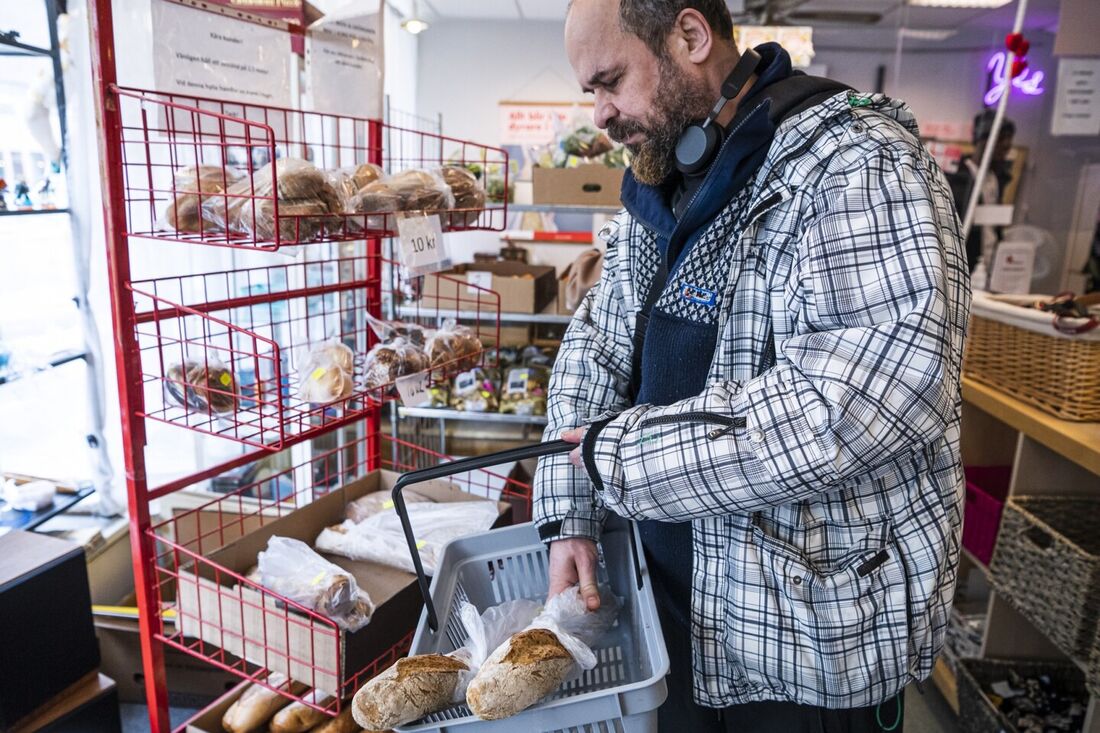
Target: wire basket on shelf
point(228, 353)
point(211, 610)
point(251, 176)
point(977, 712)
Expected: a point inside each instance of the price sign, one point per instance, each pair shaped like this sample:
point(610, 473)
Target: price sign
point(478, 281)
point(413, 389)
point(517, 382)
point(423, 249)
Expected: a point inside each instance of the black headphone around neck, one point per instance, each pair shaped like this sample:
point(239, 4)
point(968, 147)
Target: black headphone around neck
point(698, 143)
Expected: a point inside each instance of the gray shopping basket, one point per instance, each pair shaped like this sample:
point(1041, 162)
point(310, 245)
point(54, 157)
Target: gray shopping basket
point(620, 695)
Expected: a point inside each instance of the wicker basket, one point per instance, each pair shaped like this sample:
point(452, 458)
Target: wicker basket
point(1047, 564)
point(978, 715)
point(1018, 351)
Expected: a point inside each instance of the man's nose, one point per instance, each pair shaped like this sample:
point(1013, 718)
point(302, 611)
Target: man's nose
point(604, 110)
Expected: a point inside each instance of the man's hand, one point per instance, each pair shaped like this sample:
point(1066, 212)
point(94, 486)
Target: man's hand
point(576, 435)
point(572, 562)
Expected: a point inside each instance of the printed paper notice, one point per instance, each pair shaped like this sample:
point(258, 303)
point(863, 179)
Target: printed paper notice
point(1077, 98)
point(203, 54)
point(413, 389)
point(344, 64)
point(423, 249)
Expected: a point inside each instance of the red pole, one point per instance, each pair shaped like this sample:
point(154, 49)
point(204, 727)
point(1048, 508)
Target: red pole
point(127, 360)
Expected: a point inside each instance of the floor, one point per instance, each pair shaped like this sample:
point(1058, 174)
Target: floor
point(925, 712)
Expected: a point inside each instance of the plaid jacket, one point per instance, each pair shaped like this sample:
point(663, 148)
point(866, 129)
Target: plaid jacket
point(820, 466)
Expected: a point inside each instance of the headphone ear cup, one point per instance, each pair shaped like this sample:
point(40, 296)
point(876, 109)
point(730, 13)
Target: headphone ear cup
point(696, 147)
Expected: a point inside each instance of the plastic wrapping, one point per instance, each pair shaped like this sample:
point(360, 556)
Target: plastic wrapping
point(378, 501)
point(467, 193)
point(30, 496)
point(454, 346)
point(305, 196)
point(474, 391)
point(388, 361)
point(185, 213)
point(387, 331)
point(292, 569)
point(380, 538)
point(203, 387)
point(584, 140)
point(327, 373)
point(577, 628)
point(523, 390)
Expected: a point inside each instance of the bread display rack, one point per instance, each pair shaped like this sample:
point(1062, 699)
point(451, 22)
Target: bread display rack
point(222, 353)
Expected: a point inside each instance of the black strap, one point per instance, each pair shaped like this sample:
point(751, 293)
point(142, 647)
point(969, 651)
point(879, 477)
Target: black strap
point(641, 324)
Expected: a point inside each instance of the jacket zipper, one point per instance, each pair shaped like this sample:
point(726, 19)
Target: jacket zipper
point(728, 423)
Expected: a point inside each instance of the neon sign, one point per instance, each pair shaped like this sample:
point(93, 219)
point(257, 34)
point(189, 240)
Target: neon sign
point(1029, 82)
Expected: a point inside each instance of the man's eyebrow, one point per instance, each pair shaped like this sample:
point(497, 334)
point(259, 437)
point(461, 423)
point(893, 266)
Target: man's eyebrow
point(600, 79)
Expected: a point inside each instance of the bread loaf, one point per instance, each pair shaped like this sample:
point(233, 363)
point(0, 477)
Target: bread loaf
point(467, 192)
point(304, 194)
point(407, 691)
point(299, 717)
point(526, 668)
point(185, 212)
point(257, 705)
point(378, 501)
point(342, 723)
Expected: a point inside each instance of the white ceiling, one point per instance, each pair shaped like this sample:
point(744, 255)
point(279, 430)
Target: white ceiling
point(971, 26)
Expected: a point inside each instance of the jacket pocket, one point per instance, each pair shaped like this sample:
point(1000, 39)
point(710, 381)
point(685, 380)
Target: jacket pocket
point(833, 634)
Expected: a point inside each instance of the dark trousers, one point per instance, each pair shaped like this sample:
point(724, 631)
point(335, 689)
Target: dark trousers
point(680, 714)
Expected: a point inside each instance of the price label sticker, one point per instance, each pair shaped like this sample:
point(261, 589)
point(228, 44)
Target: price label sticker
point(423, 248)
point(517, 382)
point(478, 281)
point(413, 389)
point(465, 383)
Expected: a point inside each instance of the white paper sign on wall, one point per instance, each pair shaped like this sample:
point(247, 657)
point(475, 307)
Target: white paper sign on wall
point(423, 248)
point(201, 54)
point(345, 64)
point(1077, 98)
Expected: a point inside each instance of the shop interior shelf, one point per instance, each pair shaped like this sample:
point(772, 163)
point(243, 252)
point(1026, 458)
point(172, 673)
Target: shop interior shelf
point(196, 170)
point(257, 494)
point(566, 208)
point(226, 353)
point(445, 413)
point(414, 310)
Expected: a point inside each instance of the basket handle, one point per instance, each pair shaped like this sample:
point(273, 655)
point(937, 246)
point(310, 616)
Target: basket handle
point(431, 473)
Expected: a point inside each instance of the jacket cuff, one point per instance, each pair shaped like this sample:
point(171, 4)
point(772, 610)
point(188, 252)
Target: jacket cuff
point(575, 524)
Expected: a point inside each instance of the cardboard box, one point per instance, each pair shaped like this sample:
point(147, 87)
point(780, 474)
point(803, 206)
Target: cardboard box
point(522, 288)
point(585, 185)
point(46, 634)
point(209, 720)
point(248, 624)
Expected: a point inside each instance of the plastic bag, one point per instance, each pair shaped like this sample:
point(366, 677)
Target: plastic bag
point(327, 373)
point(292, 569)
point(378, 501)
point(305, 196)
point(487, 631)
point(29, 496)
point(421, 190)
point(585, 141)
point(469, 196)
point(387, 331)
point(202, 387)
point(380, 538)
point(454, 346)
point(524, 389)
point(577, 628)
point(185, 213)
point(474, 391)
point(388, 361)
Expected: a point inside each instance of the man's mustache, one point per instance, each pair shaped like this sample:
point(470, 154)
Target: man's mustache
point(620, 130)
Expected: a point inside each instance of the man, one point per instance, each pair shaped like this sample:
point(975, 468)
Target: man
point(983, 239)
point(766, 377)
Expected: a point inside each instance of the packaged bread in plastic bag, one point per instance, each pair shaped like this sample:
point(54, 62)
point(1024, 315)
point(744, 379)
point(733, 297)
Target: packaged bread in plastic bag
point(421, 190)
point(202, 386)
point(467, 192)
point(295, 571)
point(185, 213)
point(305, 196)
point(454, 346)
point(390, 330)
point(388, 361)
point(327, 373)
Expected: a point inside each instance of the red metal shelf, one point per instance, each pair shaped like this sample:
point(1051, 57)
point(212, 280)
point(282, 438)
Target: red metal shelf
point(162, 134)
point(251, 331)
point(283, 484)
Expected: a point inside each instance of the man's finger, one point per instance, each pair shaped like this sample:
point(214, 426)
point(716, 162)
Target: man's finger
point(574, 435)
point(575, 458)
point(590, 592)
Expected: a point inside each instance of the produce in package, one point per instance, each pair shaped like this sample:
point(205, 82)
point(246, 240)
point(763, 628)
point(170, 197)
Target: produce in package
point(257, 705)
point(454, 346)
point(523, 391)
point(535, 662)
point(474, 391)
point(388, 331)
point(327, 373)
point(390, 360)
point(427, 683)
point(185, 212)
point(203, 387)
point(467, 192)
point(585, 141)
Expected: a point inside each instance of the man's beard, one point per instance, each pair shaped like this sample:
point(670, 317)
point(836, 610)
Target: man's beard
point(679, 100)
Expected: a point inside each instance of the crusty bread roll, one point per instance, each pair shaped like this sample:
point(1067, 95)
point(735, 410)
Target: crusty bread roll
point(522, 671)
point(185, 212)
point(342, 723)
point(299, 717)
point(303, 191)
point(468, 194)
point(407, 691)
point(365, 174)
point(256, 706)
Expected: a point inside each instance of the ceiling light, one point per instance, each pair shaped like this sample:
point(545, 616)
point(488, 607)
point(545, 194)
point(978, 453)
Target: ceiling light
point(986, 4)
point(927, 34)
point(414, 25)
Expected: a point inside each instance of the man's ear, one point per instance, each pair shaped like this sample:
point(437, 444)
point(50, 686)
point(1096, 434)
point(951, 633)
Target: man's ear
point(692, 36)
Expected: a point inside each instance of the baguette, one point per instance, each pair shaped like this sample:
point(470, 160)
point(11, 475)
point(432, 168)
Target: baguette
point(407, 691)
point(342, 723)
point(299, 717)
point(523, 670)
point(256, 706)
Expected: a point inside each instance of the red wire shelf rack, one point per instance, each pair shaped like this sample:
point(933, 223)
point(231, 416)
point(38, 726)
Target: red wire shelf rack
point(225, 353)
point(234, 623)
point(196, 170)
